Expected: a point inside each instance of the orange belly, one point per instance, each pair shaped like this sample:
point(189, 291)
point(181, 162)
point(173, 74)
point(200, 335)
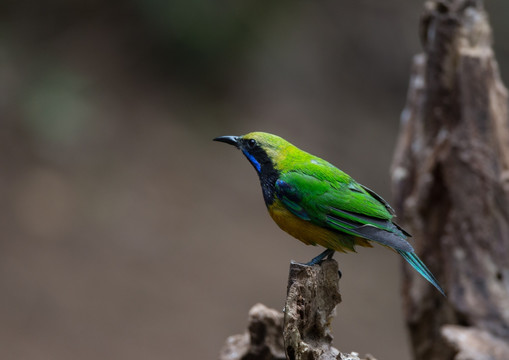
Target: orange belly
point(311, 234)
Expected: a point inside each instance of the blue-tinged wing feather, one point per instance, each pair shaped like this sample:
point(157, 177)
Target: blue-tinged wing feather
point(291, 198)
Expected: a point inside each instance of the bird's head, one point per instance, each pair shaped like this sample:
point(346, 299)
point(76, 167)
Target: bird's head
point(264, 151)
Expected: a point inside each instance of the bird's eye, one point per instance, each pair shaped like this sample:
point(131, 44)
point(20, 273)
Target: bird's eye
point(251, 143)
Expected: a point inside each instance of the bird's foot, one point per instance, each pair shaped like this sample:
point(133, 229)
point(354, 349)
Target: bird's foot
point(328, 253)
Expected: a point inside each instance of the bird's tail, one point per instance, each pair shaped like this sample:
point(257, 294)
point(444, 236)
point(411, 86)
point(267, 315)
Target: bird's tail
point(418, 265)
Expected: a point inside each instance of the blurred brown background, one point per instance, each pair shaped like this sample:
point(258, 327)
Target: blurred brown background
point(126, 233)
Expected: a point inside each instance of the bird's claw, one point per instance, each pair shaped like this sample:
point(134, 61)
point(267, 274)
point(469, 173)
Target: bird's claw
point(327, 254)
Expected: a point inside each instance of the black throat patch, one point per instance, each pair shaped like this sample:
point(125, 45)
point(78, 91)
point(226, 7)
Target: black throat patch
point(268, 181)
point(266, 172)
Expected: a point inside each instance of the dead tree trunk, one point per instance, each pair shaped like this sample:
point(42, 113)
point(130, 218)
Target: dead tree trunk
point(451, 187)
point(304, 331)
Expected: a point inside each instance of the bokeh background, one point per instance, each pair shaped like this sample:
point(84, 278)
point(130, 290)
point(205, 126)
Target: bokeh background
point(126, 233)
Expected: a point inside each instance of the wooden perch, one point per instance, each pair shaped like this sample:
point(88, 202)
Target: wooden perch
point(312, 296)
point(451, 185)
point(304, 331)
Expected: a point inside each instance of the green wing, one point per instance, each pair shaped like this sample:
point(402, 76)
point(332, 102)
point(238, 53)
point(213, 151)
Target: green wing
point(324, 195)
point(330, 198)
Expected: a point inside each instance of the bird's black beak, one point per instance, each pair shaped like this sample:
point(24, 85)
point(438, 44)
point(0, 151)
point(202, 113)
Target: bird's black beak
point(232, 140)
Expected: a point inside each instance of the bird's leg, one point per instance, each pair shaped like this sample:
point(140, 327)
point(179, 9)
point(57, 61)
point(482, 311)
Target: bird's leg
point(328, 253)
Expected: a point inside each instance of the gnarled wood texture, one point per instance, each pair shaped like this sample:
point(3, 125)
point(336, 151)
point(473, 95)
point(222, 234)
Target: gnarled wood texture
point(304, 331)
point(451, 182)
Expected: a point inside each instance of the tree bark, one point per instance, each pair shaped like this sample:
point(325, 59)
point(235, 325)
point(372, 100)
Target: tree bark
point(451, 184)
point(263, 339)
point(304, 331)
point(312, 296)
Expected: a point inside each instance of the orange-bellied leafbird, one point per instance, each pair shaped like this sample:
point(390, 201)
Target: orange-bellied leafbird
point(319, 204)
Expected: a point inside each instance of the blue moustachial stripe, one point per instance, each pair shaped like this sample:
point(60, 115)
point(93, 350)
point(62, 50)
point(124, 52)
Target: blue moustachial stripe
point(253, 160)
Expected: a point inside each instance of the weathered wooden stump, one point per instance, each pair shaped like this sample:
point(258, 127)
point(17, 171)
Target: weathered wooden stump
point(304, 331)
point(451, 184)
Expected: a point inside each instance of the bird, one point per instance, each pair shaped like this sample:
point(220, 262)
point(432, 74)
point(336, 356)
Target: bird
point(318, 204)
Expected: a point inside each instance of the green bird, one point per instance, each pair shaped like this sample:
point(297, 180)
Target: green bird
point(319, 204)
